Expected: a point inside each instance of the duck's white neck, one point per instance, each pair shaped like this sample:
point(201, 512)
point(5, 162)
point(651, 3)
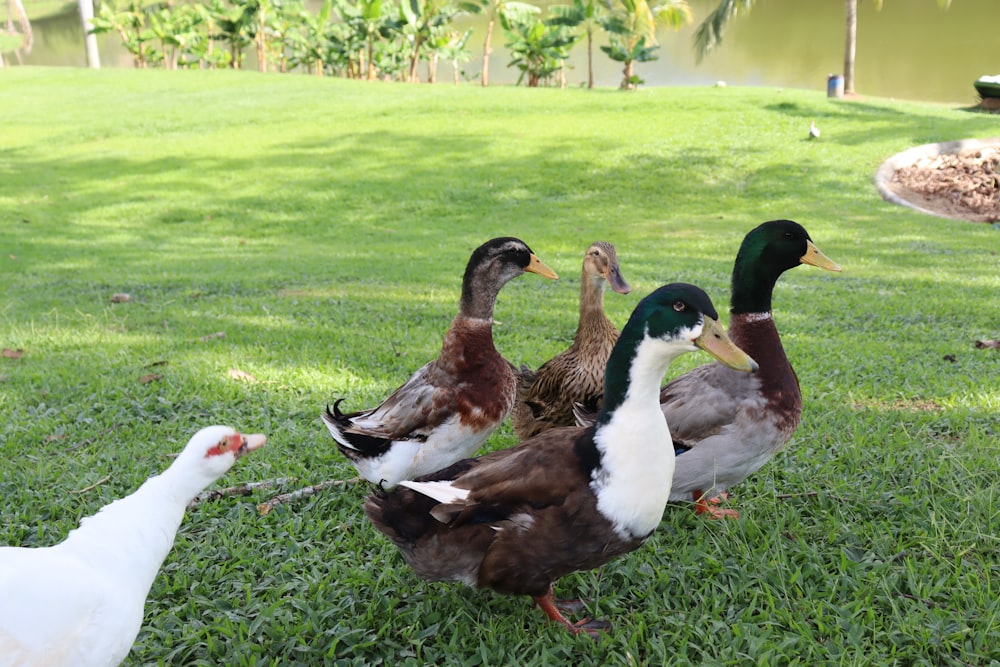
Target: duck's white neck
point(632, 483)
point(132, 536)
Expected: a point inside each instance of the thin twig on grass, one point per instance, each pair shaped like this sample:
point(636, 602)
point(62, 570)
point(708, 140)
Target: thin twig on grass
point(265, 507)
point(238, 490)
point(95, 484)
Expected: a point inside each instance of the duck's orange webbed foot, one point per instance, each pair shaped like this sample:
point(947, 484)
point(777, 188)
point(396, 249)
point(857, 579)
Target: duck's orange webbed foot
point(710, 506)
point(547, 603)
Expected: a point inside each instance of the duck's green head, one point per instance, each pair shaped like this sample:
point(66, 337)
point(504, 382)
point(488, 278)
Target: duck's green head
point(683, 317)
point(768, 251)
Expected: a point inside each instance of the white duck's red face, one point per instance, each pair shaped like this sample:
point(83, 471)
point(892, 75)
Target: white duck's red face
point(236, 444)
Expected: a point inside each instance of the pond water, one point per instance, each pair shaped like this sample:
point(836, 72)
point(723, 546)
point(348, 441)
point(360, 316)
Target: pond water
point(911, 49)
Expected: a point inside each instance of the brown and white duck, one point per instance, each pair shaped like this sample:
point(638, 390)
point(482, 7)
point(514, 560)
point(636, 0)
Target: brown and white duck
point(727, 425)
point(569, 499)
point(448, 408)
point(545, 397)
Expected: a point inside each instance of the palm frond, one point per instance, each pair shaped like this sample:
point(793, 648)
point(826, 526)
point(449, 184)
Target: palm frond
point(709, 33)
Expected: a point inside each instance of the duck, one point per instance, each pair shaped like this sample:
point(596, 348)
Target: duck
point(451, 405)
point(813, 130)
point(80, 603)
point(727, 425)
point(545, 397)
point(569, 499)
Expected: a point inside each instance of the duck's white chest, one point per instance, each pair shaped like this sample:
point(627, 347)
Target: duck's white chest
point(633, 484)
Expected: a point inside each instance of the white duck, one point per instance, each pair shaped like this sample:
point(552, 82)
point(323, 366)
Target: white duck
point(80, 603)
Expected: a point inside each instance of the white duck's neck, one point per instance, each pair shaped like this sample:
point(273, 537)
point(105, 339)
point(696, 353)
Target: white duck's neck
point(132, 536)
point(633, 480)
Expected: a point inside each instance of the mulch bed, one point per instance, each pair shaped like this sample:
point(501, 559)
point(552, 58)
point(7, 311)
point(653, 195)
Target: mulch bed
point(960, 185)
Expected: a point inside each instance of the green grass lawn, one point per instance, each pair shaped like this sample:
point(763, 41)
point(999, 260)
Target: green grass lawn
point(323, 225)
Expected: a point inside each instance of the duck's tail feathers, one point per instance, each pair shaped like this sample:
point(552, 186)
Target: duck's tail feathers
point(351, 443)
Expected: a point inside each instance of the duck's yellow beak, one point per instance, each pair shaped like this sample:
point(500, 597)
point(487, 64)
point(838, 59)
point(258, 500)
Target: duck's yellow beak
point(538, 266)
point(716, 342)
point(816, 258)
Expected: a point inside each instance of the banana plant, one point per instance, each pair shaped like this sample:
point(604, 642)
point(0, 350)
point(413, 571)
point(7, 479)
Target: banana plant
point(450, 46)
point(373, 21)
point(629, 53)
point(307, 39)
point(419, 20)
point(168, 28)
point(202, 47)
point(586, 13)
point(632, 24)
point(127, 19)
point(236, 25)
point(494, 10)
point(538, 47)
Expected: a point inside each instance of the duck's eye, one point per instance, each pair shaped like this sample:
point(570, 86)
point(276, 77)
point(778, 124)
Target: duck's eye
point(789, 235)
point(221, 447)
point(680, 306)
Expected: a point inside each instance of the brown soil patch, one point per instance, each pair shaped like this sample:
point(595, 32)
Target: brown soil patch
point(964, 185)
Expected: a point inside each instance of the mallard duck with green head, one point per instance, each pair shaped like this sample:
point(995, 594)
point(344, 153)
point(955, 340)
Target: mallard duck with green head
point(727, 425)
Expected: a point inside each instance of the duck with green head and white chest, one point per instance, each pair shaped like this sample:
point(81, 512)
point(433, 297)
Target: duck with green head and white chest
point(571, 498)
point(727, 425)
point(448, 407)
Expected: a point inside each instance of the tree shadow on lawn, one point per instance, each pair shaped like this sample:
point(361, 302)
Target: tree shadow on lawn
point(344, 215)
point(363, 191)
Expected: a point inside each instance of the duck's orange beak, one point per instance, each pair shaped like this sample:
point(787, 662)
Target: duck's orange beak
point(538, 266)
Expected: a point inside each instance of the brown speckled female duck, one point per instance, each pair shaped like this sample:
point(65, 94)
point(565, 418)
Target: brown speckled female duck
point(545, 398)
point(569, 499)
point(450, 406)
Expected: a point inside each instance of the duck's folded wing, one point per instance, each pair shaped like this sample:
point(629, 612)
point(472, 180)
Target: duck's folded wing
point(540, 472)
point(701, 402)
point(412, 411)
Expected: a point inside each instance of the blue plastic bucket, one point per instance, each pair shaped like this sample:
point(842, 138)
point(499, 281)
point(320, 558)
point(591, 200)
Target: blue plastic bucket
point(835, 85)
